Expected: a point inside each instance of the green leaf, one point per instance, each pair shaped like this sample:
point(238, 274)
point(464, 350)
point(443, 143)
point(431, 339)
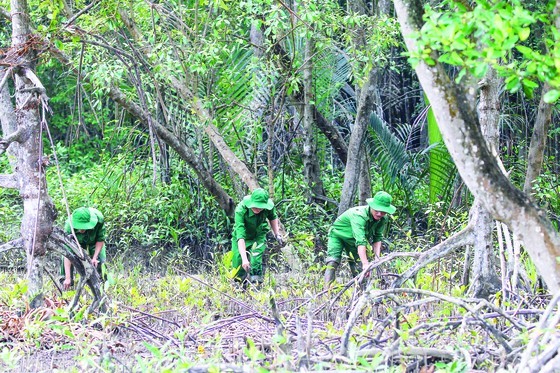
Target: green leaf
point(551, 96)
point(481, 69)
point(460, 75)
point(530, 84)
point(524, 33)
point(526, 51)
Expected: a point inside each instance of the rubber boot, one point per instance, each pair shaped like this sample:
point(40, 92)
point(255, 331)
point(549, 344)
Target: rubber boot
point(330, 274)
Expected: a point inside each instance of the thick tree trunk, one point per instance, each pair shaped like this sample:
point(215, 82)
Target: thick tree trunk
point(476, 164)
point(38, 210)
point(355, 145)
point(364, 182)
point(538, 143)
point(485, 281)
point(311, 168)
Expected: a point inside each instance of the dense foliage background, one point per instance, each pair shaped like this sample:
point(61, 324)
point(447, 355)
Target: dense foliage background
point(185, 68)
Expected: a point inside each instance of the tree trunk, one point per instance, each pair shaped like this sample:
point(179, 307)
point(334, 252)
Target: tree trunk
point(538, 143)
point(22, 136)
point(327, 128)
point(357, 168)
point(476, 164)
point(311, 168)
point(355, 148)
point(223, 199)
point(364, 183)
point(38, 210)
point(485, 281)
point(384, 6)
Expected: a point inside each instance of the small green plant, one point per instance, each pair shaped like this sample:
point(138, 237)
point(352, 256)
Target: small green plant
point(10, 357)
point(457, 366)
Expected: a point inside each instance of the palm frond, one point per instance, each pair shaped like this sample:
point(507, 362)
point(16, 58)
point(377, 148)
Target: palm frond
point(387, 150)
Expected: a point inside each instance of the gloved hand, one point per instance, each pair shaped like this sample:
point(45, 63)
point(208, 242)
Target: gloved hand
point(280, 240)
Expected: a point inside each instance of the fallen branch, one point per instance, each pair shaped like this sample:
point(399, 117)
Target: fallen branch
point(545, 334)
point(373, 295)
point(458, 240)
point(409, 351)
point(244, 305)
point(67, 247)
point(360, 277)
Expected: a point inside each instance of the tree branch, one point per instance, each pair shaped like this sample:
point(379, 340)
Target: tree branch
point(64, 245)
point(458, 240)
point(373, 295)
point(75, 16)
point(21, 135)
point(14, 244)
point(5, 78)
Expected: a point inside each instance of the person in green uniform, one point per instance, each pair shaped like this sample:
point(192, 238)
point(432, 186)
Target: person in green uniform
point(89, 227)
point(248, 241)
point(351, 231)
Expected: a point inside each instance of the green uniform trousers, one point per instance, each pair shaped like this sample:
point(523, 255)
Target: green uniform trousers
point(336, 246)
point(255, 250)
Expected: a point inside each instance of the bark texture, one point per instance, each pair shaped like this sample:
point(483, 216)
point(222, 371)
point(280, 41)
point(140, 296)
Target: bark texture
point(476, 164)
point(485, 281)
point(38, 210)
point(22, 139)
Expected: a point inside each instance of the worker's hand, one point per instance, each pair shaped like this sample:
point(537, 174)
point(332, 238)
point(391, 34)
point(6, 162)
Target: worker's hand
point(364, 267)
point(95, 262)
point(246, 265)
point(280, 240)
point(66, 283)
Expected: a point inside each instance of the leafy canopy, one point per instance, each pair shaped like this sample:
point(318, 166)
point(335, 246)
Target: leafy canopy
point(522, 45)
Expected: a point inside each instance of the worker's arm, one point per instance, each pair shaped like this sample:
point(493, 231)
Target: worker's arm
point(67, 272)
point(363, 256)
point(98, 247)
point(377, 249)
point(243, 252)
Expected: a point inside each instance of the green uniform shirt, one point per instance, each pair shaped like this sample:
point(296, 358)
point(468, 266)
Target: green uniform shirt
point(88, 239)
point(249, 225)
point(356, 226)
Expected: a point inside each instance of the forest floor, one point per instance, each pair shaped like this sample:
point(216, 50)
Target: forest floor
point(176, 321)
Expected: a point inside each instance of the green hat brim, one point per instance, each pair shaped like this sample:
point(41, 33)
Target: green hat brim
point(259, 205)
point(85, 225)
point(388, 209)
